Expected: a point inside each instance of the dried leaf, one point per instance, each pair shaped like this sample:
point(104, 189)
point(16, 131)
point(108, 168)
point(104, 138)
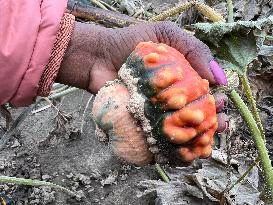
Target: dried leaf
point(15, 125)
point(130, 6)
point(250, 9)
point(266, 50)
point(6, 114)
point(204, 182)
point(246, 9)
point(174, 192)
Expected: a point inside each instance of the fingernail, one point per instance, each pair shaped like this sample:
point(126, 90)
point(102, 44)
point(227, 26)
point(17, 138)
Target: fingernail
point(218, 73)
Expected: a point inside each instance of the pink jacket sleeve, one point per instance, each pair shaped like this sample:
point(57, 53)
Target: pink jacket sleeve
point(28, 29)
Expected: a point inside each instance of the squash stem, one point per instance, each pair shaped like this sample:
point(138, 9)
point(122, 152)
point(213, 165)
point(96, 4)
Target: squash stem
point(257, 138)
point(162, 173)
point(252, 102)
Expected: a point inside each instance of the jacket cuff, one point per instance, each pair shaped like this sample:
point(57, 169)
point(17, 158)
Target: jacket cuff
point(60, 45)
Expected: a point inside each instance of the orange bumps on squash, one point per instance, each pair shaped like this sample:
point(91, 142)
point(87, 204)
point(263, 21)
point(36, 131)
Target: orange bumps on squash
point(151, 58)
point(188, 111)
point(178, 107)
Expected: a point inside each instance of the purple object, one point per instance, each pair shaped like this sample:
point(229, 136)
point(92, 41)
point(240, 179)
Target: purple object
point(223, 122)
point(220, 101)
point(220, 106)
point(218, 73)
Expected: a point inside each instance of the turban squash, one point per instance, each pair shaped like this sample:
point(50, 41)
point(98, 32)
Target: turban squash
point(159, 109)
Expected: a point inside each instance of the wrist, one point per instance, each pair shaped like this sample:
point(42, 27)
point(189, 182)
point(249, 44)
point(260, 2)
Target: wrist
point(68, 73)
point(80, 56)
point(57, 53)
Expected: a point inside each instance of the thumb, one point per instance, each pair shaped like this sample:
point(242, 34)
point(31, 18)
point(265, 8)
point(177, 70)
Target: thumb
point(100, 73)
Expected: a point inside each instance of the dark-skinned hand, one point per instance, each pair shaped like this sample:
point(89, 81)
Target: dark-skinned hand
point(96, 53)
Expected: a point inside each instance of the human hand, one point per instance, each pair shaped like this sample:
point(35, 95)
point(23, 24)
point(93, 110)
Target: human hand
point(95, 55)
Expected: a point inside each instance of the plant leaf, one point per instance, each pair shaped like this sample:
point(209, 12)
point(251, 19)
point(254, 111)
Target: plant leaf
point(235, 45)
point(214, 32)
point(237, 51)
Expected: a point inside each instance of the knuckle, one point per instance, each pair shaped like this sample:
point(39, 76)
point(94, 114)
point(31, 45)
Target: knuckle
point(168, 25)
point(167, 32)
point(202, 46)
point(198, 49)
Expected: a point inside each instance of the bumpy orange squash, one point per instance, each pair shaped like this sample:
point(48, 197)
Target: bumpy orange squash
point(125, 134)
point(167, 99)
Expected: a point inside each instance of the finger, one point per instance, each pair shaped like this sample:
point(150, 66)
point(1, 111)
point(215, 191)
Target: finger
point(223, 122)
point(200, 58)
point(196, 52)
point(220, 101)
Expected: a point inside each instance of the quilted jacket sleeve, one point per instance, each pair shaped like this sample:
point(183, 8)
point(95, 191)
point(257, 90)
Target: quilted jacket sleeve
point(28, 29)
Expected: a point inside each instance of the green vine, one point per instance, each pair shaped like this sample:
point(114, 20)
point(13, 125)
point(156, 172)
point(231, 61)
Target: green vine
point(252, 102)
point(162, 173)
point(257, 138)
point(34, 182)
